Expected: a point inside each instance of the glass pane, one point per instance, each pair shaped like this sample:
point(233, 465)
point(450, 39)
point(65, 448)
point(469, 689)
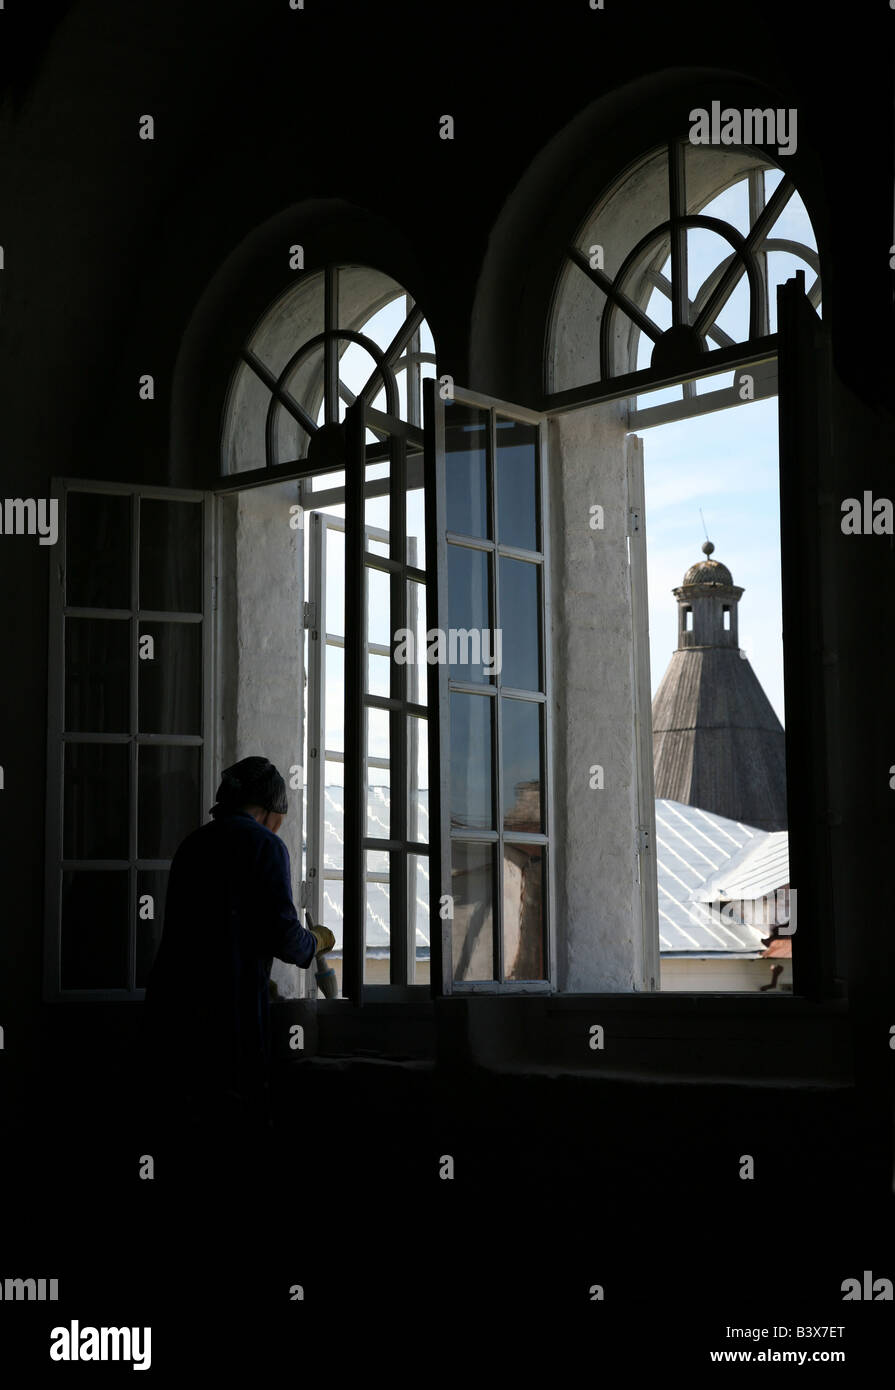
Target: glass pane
point(169, 678)
point(418, 763)
point(243, 447)
point(521, 771)
point(331, 910)
point(378, 805)
point(170, 556)
point(379, 670)
point(333, 815)
point(97, 679)
point(418, 674)
point(94, 930)
point(98, 549)
point(520, 625)
point(418, 901)
point(334, 712)
point(416, 528)
point(377, 935)
point(471, 803)
point(517, 484)
point(523, 912)
point(335, 582)
point(376, 509)
point(379, 625)
point(96, 781)
point(168, 805)
point(377, 547)
point(152, 886)
point(291, 440)
point(472, 932)
point(466, 473)
point(468, 614)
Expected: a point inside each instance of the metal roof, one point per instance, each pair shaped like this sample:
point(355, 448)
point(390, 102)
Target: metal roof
point(691, 847)
point(757, 870)
point(694, 850)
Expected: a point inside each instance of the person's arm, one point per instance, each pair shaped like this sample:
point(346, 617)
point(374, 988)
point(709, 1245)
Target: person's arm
point(282, 935)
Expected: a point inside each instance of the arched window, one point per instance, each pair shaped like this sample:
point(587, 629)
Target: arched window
point(674, 271)
point(338, 335)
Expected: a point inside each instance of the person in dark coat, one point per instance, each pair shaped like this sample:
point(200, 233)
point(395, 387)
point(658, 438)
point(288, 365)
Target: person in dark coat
point(228, 913)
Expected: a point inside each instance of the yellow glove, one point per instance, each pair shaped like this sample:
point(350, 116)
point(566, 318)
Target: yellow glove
point(324, 938)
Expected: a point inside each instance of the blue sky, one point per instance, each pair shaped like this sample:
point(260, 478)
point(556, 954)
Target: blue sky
point(727, 464)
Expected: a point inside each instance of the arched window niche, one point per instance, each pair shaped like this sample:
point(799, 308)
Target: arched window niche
point(338, 335)
point(663, 308)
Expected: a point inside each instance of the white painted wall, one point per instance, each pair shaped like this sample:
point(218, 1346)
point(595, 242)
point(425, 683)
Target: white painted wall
point(261, 657)
point(600, 926)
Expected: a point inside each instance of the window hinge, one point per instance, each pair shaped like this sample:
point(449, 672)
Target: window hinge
point(643, 839)
point(310, 615)
point(634, 519)
point(214, 592)
point(303, 894)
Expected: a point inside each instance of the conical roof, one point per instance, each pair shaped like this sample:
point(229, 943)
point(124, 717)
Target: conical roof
point(717, 743)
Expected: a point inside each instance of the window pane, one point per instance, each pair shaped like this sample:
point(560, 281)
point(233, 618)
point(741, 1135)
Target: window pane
point(523, 912)
point(170, 556)
point(170, 678)
point(379, 670)
point(517, 491)
point(466, 473)
point(418, 674)
point(334, 712)
point(333, 815)
point(97, 675)
point(378, 795)
point(335, 582)
point(418, 901)
point(152, 886)
point(96, 801)
point(168, 806)
point(471, 802)
point(521, 770)
point(94, 930)
point(520, 624)
point(468, 613)
point(416, 528)
point(98, 548)
point(379, 622)
point(377, 935)
point(418, 762)
point(472, 933)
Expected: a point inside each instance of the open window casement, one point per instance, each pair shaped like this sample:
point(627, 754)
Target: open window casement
point(547, 881)
point(129, 766)
point(386, 712)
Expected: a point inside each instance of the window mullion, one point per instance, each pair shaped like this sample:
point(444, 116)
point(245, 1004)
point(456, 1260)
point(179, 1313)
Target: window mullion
point(677, 201)
point(331, 354)
point(399, 779)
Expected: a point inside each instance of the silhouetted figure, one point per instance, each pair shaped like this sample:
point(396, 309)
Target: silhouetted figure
point(228, 912)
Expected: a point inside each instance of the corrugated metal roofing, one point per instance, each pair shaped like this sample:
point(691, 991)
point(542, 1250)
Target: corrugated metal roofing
point(692, 846)
point(759, 869)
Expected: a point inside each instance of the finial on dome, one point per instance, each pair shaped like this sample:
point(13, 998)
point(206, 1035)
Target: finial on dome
point(707, 548)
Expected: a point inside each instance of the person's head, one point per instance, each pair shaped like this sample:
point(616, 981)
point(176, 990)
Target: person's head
point(255, 786)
